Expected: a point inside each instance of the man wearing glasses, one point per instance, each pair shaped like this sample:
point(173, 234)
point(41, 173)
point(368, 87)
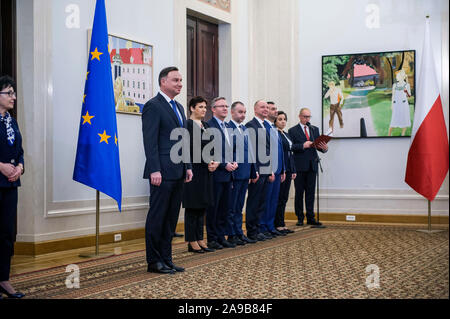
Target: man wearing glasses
point(306, 164)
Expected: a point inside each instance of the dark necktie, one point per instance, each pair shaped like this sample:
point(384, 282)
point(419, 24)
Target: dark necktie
point(174, 107)
point(225, 132)
point(267, 126)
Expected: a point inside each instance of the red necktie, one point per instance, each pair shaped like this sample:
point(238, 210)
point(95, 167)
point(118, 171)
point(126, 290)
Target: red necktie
point(306, 133)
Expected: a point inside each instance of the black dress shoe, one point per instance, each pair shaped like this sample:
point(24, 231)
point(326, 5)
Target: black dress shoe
point(207, 250)
point(253, 239)
point(214, 245)
point(299, 223)
point(177, 235)
point(17, 295)
point(261, 237)
point(192, 250)
point(236, 240)
point(288, 231)
point(268, 235)
point(277, 233)
point(160, 268)
point(174, 267)
point(227, 244)
point(247, 240)
point(314, 223)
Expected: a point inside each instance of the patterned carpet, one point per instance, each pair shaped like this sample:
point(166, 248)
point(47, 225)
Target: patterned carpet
point(309, 264)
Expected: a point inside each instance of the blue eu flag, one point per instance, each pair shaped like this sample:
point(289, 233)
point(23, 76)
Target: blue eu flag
point(97, 162)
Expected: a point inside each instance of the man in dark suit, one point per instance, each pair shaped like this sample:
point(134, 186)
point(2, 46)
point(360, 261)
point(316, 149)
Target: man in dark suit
point(242, 175)
point(160, 116)
point(217, 214)
point(306, 164)
point(257, 190)
point(273, 191)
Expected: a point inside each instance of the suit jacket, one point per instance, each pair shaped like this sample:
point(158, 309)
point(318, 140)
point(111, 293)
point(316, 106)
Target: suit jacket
point(10, 154)
point(305, 159)
point(221, 175)
point(158, 121)
point(255, 125)
point(198, 193)
point(288, 154)
point(246, 169)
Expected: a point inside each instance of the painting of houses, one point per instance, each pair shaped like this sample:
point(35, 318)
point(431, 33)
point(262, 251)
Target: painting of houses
point(363, 75)
point(132, 74)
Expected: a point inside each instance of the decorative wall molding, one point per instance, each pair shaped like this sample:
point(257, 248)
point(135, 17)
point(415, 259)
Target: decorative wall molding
point(221, 4)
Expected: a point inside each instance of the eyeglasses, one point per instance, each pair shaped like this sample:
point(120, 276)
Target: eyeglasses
point(225, 106)
point(10, 93)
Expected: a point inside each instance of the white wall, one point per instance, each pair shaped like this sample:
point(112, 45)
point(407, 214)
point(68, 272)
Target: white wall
point(371, 166)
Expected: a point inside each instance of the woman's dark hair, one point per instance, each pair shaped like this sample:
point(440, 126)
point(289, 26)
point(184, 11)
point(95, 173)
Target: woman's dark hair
point(6, 81)
point(196, 100)
point(281, 113)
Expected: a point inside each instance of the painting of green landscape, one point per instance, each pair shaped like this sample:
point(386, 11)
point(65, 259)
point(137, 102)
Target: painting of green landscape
point(369, 94)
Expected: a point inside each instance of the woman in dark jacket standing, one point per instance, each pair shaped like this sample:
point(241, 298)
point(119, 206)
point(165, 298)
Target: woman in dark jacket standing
point(198, 194)
point(11, 168)
point(280, 123)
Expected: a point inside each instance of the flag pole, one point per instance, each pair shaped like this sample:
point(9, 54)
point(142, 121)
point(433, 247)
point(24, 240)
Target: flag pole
point(429, 231)
point(97, 233)
point(97, 222)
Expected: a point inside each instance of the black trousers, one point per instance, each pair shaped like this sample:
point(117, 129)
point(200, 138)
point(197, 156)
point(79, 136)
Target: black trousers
point(256, 205)
point(217, 214)
point(8, 215)
point(194, 221)
point(305, 185)
point(162, 218)
point(282, 201)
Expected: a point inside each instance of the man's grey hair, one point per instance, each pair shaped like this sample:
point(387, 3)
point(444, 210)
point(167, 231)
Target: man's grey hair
point(213, 104)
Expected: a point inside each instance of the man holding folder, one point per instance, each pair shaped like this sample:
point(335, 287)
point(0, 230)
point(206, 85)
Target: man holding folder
point(306, 164)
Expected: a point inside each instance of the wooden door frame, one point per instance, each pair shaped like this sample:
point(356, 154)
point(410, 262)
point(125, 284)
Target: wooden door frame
point(197, 23)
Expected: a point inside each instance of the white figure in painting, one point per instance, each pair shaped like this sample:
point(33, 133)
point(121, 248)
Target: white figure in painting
point(401, 116)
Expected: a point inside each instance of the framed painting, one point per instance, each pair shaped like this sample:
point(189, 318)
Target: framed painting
point(132, 74)
point(368, 94)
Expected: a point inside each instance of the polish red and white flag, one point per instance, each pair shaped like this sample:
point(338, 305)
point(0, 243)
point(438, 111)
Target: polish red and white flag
point(428, 156)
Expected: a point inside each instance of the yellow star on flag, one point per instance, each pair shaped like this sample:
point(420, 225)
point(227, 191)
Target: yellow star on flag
point(87, 74)
point(115, 137)
point(84, 98)
point(87, 118)
point(96, 55)
point(104, 137)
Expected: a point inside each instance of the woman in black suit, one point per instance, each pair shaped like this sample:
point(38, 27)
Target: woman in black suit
point(280, 123)
point(198, 194)
point(11, 168)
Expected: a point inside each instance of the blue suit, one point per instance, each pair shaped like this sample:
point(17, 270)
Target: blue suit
point(216, 214)
point(257, 192)
point(273, 191)
point(158, 121)
point(245, 171)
